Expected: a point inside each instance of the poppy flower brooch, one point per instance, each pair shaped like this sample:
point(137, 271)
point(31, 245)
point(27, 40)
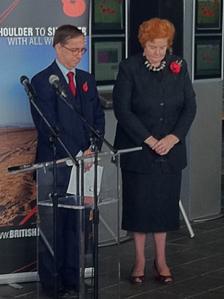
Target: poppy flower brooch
point(175, 66)
point(85, 87)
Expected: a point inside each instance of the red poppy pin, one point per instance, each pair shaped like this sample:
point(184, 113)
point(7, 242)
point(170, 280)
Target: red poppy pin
point(85, 87)
point(175, 66)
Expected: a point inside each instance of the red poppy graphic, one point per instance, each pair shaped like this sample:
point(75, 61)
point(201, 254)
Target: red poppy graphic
point(74, 8)
point(8, 10)
point(107, 8)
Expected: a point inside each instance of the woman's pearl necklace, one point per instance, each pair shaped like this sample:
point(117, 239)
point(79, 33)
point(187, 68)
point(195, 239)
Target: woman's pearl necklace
point(155, 68)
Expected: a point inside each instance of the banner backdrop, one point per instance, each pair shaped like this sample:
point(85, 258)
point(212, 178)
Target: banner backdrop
point(26, 33)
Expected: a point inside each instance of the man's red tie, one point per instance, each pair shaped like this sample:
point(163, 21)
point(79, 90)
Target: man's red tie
point(71, 83)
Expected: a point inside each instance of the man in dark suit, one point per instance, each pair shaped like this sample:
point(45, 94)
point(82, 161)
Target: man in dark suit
point(81, 91)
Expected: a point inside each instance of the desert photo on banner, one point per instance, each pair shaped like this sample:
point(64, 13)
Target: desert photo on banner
point(17, 191)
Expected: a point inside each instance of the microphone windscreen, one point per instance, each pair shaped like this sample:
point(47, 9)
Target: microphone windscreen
point(53, 79)
point(23, 79)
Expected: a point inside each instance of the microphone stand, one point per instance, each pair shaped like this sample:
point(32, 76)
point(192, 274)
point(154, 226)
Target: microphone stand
point(94, 132)
point(54, 138)
point(95, 140)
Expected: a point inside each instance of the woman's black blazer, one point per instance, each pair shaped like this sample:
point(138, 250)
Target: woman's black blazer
point(152, 103)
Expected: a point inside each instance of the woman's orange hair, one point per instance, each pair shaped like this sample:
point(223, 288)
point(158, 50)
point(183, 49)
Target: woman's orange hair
point(156, 28)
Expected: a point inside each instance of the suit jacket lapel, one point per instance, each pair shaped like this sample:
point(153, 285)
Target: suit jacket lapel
point(79, 85)
point(56, 70)
point(80, 94)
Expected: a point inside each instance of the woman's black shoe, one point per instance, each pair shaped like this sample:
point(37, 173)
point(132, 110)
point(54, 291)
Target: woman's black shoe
point(164, 279)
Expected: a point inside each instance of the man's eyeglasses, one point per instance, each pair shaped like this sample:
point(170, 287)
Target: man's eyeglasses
point(76, 50)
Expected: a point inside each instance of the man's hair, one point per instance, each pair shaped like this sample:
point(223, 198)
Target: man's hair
point(64, 33)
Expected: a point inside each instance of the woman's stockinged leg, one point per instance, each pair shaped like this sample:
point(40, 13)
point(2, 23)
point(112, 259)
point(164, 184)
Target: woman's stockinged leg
point(160, 253)
point(139, 241)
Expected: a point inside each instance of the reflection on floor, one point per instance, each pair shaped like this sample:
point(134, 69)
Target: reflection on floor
point(197, 265)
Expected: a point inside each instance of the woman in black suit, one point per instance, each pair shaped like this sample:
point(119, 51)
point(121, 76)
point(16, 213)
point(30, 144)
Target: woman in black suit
point(154, 103)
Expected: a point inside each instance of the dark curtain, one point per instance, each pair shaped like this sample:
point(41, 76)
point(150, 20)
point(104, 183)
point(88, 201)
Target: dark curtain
point(141, 10)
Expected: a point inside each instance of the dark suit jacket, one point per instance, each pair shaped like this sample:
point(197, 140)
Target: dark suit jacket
point(152, 103)
point(68, 124)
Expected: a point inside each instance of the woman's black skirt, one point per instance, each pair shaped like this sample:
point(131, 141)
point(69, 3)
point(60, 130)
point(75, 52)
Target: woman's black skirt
point(151, 200)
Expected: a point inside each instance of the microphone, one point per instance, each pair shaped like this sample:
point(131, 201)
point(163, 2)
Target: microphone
point(28, 87)
point(19, 168)
point(55, 82)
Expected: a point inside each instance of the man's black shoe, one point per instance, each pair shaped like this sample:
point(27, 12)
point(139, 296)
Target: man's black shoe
point(68, 294)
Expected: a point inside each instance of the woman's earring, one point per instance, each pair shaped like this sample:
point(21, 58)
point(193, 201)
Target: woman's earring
point(170, 50)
